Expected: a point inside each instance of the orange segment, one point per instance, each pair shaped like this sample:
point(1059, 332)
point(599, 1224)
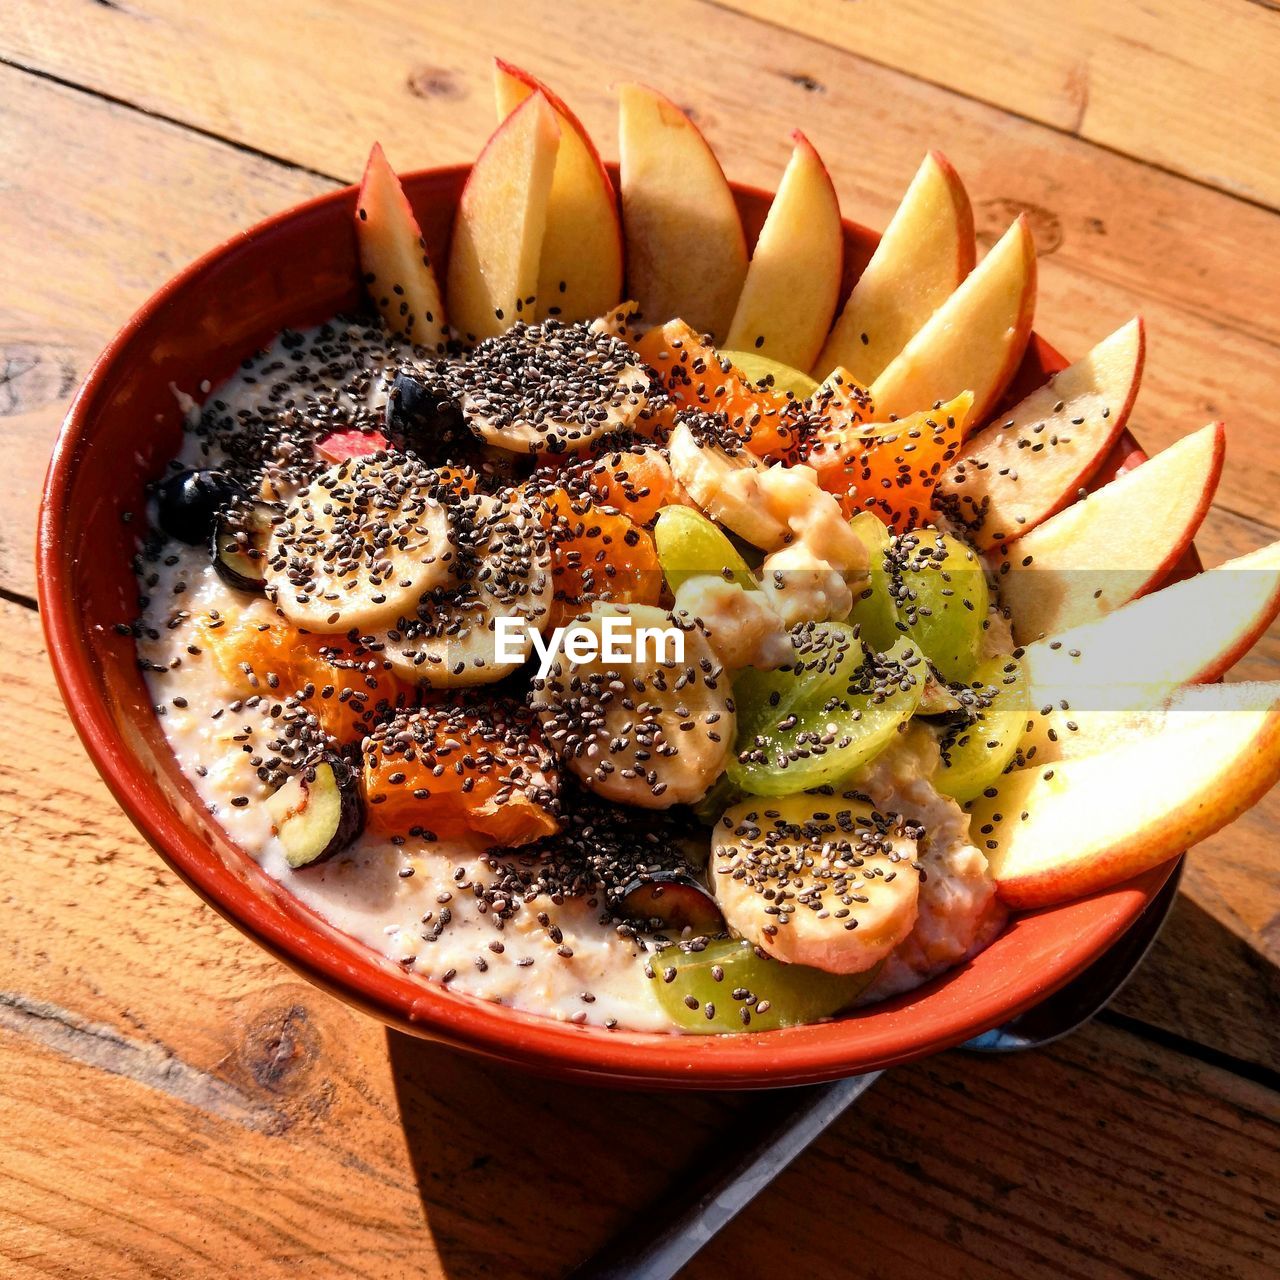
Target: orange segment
point(842, 401)
point(252, 652)
point(694, 377)
point(351, 688)
point(445, 772)
point(891, 468)
point(596, 554)
point(636, 481)
point(345, 686)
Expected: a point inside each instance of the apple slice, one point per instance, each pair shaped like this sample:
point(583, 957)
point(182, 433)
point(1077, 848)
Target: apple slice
point(686, 251)
point(793, 282)
point(1191, 632)
point(1112, 546)
point(974, 341)
point(1051, 834)
point(501, 219)
point(393, 257)
point(1088, 732)
point(1033, 462)
point(580, 271)
point(926, 251)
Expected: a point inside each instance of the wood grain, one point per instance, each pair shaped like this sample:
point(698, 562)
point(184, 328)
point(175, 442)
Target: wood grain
point(255, 1122)
point(1078, 1165)
point(1187, 84)
point(109, 204)
point(1115, 236)
point(174, 1103)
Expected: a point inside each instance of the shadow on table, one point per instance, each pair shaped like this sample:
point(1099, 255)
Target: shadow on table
point(1205, 983)
point(521, 1176)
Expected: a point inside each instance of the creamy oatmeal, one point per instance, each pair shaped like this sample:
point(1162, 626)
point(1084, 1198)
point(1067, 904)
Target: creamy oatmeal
point(340, 470)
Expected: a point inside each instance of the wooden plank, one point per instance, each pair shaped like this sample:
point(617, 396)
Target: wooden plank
point(253, 1123)
point(1187, 84)
point(384, 72)
point(1117, 237)
point(106, 204)
point(1101, 1156)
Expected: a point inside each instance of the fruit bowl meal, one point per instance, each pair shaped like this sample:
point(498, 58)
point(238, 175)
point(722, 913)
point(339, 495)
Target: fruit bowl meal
point(620, 619)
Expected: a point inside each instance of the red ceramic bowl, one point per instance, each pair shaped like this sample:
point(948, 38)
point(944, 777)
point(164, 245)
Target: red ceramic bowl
point(297, 269)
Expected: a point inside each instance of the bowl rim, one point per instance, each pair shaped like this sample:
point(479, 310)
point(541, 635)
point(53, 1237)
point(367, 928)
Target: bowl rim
point(637, 1059)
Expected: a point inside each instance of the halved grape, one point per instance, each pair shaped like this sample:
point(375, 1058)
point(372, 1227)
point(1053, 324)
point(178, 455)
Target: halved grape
point(691, 546)
point(318, 812)
point(874, 613)
point(772, 373)
point(730, 986)
point(975, 754)
point(942, 598)
point(676, 899)
point(828, 713)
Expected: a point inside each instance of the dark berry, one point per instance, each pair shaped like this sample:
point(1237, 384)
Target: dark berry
point(188, 503)
point(425, 418)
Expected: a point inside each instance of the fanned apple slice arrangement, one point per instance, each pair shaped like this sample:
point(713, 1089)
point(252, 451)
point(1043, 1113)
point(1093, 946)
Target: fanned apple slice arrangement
point(1130, 753)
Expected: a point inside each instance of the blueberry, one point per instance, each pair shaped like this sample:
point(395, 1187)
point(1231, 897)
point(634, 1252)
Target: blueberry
point(188, 503)
point(424, 417)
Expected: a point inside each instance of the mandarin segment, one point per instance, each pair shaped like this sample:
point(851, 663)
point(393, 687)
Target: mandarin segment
point(596, 554)
point(446, 773)
point(891, 469)
point(696, 376)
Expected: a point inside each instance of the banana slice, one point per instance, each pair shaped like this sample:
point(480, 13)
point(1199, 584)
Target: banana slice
point(651, 729)
point(772, 507)
point(455, 637)
point(360, 545)
point(551, 387)
point(724, 479)
point(822, 881)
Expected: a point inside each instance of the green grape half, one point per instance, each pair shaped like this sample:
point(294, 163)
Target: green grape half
point(833, 709)
point(691, 546)
point(975, 754)
point(874, 613)
point(729, 986)
point(772, 373)
point(941, 594)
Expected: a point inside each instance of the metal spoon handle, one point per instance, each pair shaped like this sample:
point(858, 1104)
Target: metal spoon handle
point(658, 1242)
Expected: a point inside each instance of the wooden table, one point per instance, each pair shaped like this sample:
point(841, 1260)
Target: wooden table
point(175, 1103)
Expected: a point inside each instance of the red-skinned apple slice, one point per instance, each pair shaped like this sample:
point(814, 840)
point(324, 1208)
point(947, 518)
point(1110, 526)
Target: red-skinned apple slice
point(793, 282)
point(686, 251)
point(501, 219)
point(1191, 632)
point(1113, 546)
point(1056, 833)
point(580, 270)
point(1034, 460)
point(926, 251)
point(393, 257)
point(974, 341)
point(1093, 731)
